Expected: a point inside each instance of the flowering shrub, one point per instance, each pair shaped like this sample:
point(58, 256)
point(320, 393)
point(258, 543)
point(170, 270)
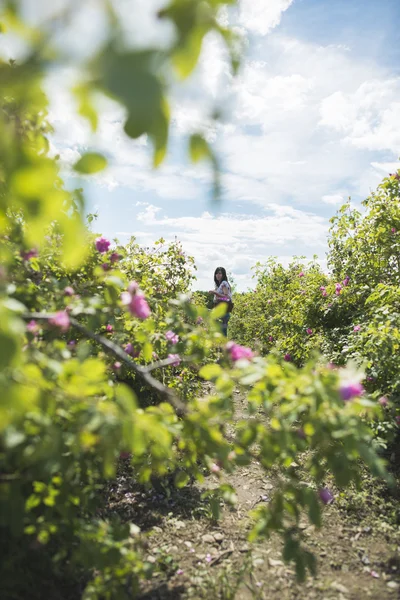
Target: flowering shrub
point(101, 348)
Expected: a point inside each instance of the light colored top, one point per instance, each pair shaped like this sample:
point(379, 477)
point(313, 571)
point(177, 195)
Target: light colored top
point(225, 289)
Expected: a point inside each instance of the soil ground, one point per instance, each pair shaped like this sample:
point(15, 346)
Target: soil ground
point(358, 547)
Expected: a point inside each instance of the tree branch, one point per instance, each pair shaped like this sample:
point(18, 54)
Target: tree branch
point(142, 372)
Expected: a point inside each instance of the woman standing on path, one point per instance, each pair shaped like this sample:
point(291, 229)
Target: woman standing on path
point(222, 293)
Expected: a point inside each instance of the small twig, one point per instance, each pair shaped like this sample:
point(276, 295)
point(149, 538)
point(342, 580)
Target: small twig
point(142, 372)
point(220, 556)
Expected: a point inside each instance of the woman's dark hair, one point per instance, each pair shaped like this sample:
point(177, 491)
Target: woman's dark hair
point(224, 275)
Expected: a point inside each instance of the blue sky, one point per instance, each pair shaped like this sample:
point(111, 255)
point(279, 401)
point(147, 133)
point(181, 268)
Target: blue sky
point(313, 117)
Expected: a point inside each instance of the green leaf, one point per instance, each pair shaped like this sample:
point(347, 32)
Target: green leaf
point(181, 479)
point(199, 148)
point(90, 163)
point(210, 372)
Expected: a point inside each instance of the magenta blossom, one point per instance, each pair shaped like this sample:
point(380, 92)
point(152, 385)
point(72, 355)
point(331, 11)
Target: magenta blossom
point(135, 301)
point(393, 230)
point(109, 328)
point(351, 390)
point(176, 359)
point(129, 349)
point(270, 339)
point(383, 401)
point(61, 321)
point(172, 337)
point(215, 468)
point(117, 365)
point(138, 307)
point(106, 267)
point(199, 320)
point(356, 327)
point(345, 281)
point(309, 331)
point(301, 274)
point(115, 257)
point(323, 290)
point(33, 253)
point(102, 245)
point(238, 352)
point(338, 289)
point(69, 291)
point(72, 343)
point(32, 327)
point(325, 495)
point(287, 357)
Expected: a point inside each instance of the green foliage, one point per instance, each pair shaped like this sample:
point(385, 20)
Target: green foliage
point(72, 401)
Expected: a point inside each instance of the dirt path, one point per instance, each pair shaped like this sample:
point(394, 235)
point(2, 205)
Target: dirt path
point(358, 548)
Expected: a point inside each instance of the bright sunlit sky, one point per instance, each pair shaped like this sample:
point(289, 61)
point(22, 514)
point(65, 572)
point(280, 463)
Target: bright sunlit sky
point(313, 117)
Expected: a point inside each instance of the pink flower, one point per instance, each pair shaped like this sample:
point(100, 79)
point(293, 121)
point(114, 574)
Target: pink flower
point(323, 290)
point(287, 357)
point(133, 287)
point(180, 572)
point(270, 339)
point(302, 292)
point(176, 359)
point(60, 320)
point(72, 343)
point(393, 230)
point(109, 328)
point(32, 327)
point(383, 401)
point(102, 245)
point(238, 352)
point(138, 307)
point(345, 281)
point(351, 390)
point(309, 331)
point(325, 495)
point(106, 267)
point(215, 468)
point(356, 327)
point(370, 378)
point(129, 349)
point(115, 257)
point(172, 337)
point(69, 291)
point(117, 365)
point(33, 253)
point(199, 320)
point(208, 558)
point(269, 302)
point(124, 455)
point(338, 289)
point(154, 356)
point(301, 274)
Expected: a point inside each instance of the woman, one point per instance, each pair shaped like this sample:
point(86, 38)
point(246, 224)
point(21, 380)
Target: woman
point(222, 293)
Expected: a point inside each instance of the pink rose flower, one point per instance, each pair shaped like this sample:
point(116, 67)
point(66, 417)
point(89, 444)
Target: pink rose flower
point(345, 281)
point(270, 339)
point(69, 291)
point(72, 343)
point(238, 352)
point(383, 401)
point(116, 366)
point(33, 253)
point(106, 267)
point(309, 331)
point(102, 245)
point(393, 230)
point(172, 337)
point(61, 321)
point(301, 274)
point(131, 350)
point(176, 359)
point(351, 390)
point(287, 357)
point(199, 320)
point(356, 327)
point(325, 495)
point(109, 328)
point(138, 307)
point(115, 257)
point(338, 289)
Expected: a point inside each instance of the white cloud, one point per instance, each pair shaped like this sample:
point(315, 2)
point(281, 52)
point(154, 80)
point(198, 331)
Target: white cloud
point(260, 16)
point(333, 199)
